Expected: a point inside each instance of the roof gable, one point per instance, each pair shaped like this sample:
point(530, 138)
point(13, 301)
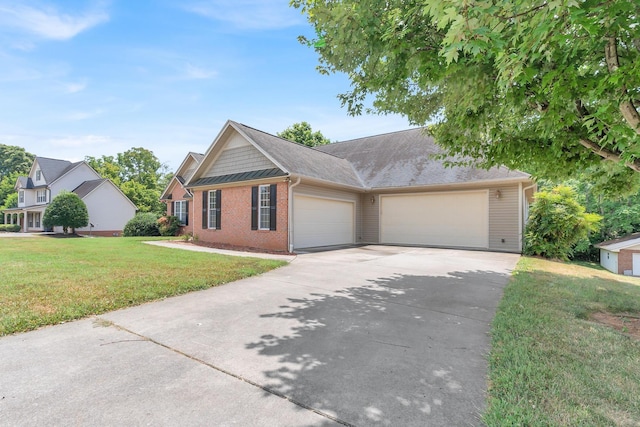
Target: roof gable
point(51, 169)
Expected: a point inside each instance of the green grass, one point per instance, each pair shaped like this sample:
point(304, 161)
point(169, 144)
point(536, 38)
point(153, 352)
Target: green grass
point(45, 281)
point(549, 364)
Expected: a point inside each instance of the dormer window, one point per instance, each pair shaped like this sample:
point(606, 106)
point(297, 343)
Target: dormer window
point(38, 175)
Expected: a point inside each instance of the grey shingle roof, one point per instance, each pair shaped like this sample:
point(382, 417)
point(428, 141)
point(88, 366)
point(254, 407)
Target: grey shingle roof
point(53, 169)
point(87, 187)
point(25, 182)
point(405, 158)
point(299, 159)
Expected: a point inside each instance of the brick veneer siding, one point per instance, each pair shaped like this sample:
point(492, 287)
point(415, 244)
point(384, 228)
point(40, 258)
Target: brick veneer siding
point(235, 219)
point(625, 259)
point(177, 191)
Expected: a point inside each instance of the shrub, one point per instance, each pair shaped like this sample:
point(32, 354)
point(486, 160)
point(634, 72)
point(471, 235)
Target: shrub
point(10, 228)
point(143, 224)
point(168, 225)
point(557, 223)
point(66, 210)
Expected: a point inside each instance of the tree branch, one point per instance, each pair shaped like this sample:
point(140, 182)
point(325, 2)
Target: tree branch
point(628, 110)
point(608, 154)
point(526, 12)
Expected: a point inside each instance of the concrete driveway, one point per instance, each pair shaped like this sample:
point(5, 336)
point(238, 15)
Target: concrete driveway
point(364, 336)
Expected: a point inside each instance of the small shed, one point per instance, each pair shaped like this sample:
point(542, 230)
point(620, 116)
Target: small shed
point(621, 256)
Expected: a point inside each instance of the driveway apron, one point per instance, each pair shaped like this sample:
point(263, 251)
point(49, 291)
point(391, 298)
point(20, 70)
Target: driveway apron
point(375, 335)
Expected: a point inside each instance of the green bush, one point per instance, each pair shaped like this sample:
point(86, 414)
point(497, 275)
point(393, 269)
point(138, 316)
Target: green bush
point(10, 228)
point(557, 223)
point(66, 210)
point(169, 225)
point(143, 224)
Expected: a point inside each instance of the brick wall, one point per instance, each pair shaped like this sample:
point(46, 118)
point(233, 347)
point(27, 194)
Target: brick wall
point(625, 259)
point(177, 191)
point(235, 220)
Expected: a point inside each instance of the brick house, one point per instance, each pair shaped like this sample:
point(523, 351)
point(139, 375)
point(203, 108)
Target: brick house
point(176, 196)
point(253, 189)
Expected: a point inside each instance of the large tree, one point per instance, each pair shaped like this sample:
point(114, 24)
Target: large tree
point(547, 86)
point(303, 134)
point(14, 159)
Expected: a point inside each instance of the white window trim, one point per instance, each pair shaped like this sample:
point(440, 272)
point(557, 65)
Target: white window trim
point(211, 208)
point(184, 209)
point(44, 196)
point(261, 226)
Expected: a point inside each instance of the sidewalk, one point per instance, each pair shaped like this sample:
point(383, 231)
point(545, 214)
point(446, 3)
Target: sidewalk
point(196, 248)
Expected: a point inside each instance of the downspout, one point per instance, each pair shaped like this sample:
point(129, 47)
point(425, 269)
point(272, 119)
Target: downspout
point(522, 218)
point(290, 215)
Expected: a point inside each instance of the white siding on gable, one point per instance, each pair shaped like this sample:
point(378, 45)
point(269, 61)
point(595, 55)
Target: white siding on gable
point(109, 209)
point(73, 179)
point(609, 260)
point(239, 159)
point(504, 233)
point(236, 140)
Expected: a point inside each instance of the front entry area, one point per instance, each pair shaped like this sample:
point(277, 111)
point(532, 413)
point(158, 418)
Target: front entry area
point(322, 222)
point(454, 219)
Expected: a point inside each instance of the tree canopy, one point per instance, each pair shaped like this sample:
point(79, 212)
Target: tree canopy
point(14, 159)
point(66, 210)
point(303, 134)
point(551, 87)
point(138, 173)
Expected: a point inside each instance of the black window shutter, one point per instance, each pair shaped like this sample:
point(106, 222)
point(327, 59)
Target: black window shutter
point(186, 216)
point(205, 220)
point(218, 209)
point(273, 203)
point(254, 208)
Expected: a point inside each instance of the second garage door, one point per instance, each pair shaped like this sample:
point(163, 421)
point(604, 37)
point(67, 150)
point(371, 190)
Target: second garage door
point(322, 222)
point(457, 219)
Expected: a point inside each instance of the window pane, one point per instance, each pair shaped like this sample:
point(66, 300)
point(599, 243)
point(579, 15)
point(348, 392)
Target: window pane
point(212, 209)
point(265, 204)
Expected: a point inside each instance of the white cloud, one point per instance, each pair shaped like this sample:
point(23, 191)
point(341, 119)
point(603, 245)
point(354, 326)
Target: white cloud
point(197, 73)
point(47, 22)
point(248, 14)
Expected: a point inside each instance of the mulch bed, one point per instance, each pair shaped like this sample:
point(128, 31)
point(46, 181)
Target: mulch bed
point(628, 324)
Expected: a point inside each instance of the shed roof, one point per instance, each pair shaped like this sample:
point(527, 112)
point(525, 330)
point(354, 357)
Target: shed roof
point(616, 245)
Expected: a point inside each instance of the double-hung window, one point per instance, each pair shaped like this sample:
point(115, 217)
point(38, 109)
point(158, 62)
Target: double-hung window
point(21, 196)
point(263, 207)
point(38, 175)
point(41, 196)
point(211, 209)
point(180, 210)
point(264, 203)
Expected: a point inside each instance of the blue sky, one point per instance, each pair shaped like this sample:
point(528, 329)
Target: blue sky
point(92, 78)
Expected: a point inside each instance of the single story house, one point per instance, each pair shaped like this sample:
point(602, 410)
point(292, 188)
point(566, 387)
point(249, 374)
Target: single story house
point(109, 209)
point(253, 189)
point(621, 256)
point(176, 196)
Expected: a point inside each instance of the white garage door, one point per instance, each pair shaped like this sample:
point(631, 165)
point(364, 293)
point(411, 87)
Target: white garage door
point(458, 219)
point(322, 222)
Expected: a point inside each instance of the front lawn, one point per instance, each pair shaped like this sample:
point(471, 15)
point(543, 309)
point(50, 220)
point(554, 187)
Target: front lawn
point(551, 362)
point(47, 280)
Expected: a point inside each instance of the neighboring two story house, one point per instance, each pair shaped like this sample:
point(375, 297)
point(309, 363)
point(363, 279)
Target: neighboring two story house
point(109, 209)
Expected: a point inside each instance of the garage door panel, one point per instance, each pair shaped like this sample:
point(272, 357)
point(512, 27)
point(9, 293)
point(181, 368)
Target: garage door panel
point(322, 222)
point(450, 219)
